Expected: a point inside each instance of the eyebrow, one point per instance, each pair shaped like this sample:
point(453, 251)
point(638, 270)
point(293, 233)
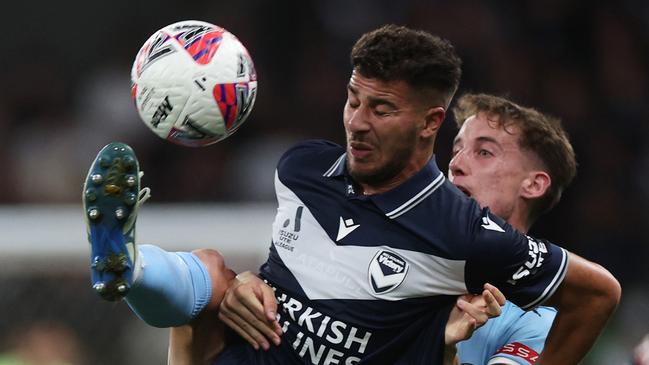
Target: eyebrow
point(484, 139)
point(373, 101)
point(487, 139)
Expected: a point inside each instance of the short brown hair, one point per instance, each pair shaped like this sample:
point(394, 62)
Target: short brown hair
point(542, 134)
point(424, 61)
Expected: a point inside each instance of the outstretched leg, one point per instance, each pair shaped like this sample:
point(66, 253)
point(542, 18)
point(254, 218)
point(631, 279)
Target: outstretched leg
point(163, 288)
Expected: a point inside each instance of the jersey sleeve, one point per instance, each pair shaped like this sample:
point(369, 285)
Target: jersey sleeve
point(525, 338)
point(527, 270)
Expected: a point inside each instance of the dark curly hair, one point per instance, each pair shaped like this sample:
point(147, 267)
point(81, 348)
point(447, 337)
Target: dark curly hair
point(424, 61)
point(542, 134)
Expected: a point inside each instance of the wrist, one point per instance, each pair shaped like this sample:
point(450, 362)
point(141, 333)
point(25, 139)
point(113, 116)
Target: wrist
point(450, 354)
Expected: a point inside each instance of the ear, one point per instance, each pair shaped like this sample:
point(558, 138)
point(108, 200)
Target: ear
point(433, 120)
point(535, 185)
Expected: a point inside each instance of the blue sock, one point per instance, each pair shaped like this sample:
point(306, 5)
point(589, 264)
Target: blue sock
point(172, 287)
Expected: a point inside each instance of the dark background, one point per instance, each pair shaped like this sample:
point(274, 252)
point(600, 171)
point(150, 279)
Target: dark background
point(65, 92)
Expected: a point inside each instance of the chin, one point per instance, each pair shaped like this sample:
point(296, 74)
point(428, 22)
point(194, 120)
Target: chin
point(360, 175)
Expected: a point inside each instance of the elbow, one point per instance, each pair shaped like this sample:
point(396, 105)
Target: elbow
point(614, 291)
point(588, 284)
point(609, 290)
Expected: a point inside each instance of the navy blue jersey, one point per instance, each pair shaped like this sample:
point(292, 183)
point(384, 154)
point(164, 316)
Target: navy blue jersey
point(371, 279)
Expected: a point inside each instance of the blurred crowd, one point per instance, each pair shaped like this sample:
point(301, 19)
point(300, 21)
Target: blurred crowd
point(65, 73)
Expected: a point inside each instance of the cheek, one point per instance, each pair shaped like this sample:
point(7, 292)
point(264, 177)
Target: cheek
point(500, 188)
point(394, 138)
point(496, 200)
point(491, 185)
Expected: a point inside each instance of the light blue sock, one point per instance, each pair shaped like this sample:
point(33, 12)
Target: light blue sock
point(172, 287)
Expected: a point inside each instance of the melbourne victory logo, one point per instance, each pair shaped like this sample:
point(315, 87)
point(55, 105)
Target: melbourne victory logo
point(387, 271)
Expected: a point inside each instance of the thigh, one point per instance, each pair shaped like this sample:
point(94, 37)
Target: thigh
point(197, 343)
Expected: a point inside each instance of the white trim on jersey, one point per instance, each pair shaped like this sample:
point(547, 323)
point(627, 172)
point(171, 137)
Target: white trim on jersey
point(554, 284)
point(412, 202)
point(325, 270)
point(334, 167)
point(502, 360)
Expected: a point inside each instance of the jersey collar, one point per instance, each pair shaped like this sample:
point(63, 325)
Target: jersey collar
point(404, 197)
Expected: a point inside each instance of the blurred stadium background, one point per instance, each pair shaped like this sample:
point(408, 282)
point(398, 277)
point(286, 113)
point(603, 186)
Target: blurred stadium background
point(65, 93)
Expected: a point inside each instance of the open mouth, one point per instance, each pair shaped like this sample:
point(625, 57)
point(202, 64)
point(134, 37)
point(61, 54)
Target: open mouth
point(360, 150)
point(361, 146)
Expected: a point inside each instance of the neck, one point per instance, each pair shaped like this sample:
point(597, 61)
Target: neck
point(519, 219)
point(379, 189)
point(520, 225)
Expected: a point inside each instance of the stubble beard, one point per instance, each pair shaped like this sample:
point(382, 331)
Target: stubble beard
point(383, 174)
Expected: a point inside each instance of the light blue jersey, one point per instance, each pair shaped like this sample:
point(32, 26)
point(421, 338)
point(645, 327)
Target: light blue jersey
point(515, 337)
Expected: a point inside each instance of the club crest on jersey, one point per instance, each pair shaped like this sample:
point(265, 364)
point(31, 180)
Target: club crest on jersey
point(387, 270)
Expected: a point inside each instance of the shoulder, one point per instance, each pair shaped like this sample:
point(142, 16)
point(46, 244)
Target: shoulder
point(310, 154)
point(539, 319)
point(541, 316)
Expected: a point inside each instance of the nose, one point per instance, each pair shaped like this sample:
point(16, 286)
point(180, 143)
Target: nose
point(356, 119)
point(458, 165)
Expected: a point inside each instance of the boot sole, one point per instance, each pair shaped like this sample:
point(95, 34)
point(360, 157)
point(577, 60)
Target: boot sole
point(109, 197)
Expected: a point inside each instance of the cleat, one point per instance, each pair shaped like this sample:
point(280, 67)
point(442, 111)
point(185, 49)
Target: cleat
point(130, 198)
point(97, 179)
point(98, 264)
point(90, 195)
point(129, 162)
point(93, 213)
point(131, 180)
point(117, 262)
point(104, 162)
point(116, 199)
point(120, 213)
point(99, 287)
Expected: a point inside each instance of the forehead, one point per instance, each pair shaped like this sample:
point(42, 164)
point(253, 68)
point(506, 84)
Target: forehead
point(361, 86)
point(483, 127)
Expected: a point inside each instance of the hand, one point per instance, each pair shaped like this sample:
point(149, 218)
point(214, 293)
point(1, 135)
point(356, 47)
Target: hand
point(471, 312)
point(641, 352)
point(249, 308)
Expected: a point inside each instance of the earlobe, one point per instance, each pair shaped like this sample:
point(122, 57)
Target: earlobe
point(536, 185)
point(433, 119)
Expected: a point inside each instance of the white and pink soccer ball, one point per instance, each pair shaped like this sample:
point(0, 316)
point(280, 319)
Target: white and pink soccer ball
point(194, 83)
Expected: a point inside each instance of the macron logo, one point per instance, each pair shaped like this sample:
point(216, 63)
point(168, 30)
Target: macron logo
point(487, 223)
point(346, 227)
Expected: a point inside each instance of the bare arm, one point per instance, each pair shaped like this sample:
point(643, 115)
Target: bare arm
point(470, 313)
point(584, 301)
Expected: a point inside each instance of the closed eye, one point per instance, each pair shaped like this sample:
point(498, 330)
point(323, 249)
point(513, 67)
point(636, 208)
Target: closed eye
point(385, 113)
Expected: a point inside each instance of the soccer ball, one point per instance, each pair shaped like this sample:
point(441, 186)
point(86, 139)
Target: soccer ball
point(194, 83)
